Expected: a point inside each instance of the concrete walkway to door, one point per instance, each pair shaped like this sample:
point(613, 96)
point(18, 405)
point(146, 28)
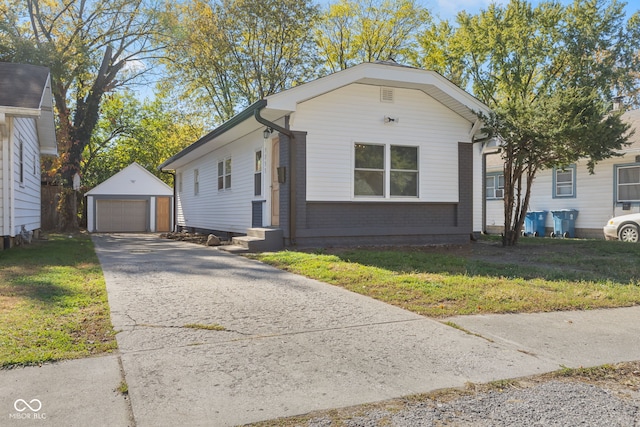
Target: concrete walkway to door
point(290, 345)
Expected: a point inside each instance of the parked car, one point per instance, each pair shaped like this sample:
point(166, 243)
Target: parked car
point(624, 227)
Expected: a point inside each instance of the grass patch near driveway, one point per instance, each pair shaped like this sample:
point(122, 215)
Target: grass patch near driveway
point(53, 302)
point(538, 275)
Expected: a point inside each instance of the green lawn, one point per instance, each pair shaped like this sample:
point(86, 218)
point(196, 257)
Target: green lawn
point(536, 276)
point(53, 302)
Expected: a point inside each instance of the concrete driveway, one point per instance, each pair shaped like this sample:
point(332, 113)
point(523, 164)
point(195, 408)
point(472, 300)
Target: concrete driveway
point(291, 345)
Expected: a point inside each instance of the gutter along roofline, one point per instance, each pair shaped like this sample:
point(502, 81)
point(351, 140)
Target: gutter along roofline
point(223, 128)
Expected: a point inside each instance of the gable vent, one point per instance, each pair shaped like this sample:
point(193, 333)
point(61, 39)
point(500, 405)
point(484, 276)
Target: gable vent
point(386, 94)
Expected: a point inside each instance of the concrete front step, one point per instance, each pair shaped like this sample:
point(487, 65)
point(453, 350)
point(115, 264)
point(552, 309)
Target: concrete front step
point(261, 240)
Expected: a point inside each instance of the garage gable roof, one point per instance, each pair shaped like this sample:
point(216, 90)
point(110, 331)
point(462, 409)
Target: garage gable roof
point(134, 180)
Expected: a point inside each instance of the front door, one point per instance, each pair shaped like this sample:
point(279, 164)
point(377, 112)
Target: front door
point(275, 185)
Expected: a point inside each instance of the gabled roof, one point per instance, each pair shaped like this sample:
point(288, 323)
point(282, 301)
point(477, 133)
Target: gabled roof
point(381, 73)
point(25, 91)
point(134, 180)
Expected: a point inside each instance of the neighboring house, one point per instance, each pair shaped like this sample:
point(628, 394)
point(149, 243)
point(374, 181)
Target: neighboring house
point(132, 200)
point(614, 189)
point(375, 154)
point(27, 131)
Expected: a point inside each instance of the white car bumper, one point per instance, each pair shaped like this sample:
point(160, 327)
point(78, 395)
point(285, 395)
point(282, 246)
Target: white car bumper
point(610, 232)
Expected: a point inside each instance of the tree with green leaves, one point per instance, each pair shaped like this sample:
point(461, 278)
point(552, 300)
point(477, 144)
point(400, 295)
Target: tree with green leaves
point(147, 132)
point(351, 32)
point(92, 48)
point(224, 55)
point(549, 74)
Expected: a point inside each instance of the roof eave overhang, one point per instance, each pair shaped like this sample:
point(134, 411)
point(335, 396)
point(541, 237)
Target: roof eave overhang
point(429, 82)
point(203, 145)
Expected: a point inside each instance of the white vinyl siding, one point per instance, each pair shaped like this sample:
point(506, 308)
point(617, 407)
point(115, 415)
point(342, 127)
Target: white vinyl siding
point(595, 198)
point(334, 122)
point(26, 193)
point(228, 210)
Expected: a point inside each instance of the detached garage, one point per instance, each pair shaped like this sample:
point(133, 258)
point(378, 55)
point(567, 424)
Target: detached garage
point(131, 201)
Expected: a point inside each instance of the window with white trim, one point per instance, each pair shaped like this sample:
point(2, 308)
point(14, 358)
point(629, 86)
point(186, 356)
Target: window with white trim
point(179, 178)
point(385, 171)
point(404, 171)
point(494, 184)
point(564, 182)
point(224, 174)
point(257, 174)
point(196, 182)
point(628, 183)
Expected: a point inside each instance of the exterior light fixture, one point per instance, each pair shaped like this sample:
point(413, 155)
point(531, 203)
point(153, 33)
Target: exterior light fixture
point(267, 132)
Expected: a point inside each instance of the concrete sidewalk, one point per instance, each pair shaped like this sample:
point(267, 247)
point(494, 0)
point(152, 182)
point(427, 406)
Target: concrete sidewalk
point(291, 345)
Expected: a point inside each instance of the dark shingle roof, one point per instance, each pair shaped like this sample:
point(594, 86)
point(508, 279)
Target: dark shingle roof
point(22, 85)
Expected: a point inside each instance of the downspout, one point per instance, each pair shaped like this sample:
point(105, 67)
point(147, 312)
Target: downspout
point(292, 169)
point(5, 139)
point(175, 201)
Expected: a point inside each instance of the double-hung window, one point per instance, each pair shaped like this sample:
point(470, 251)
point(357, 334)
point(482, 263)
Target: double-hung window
point(564, 182)
point(257, 174)
point(196, 182)
point(494, 184)
point(628, 183)
point(385, 171)
point(224, 174)
point(404, 171)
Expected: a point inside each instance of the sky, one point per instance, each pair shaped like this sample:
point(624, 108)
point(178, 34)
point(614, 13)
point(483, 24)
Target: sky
point(448, 9)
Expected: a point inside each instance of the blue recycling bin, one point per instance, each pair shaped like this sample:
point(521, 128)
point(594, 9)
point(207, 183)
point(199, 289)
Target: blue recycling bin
point(534, 223)
point(564, 223)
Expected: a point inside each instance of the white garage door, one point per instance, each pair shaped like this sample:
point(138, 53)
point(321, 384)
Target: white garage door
point(121, 216)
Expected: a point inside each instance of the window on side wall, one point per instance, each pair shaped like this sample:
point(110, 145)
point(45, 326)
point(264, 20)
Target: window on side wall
point(224, 174)
point(257, 174)
point(628, 183)
point(196, 182)
point(494, 184)
point(564, 182)
point(179, 178)
point(20, 161)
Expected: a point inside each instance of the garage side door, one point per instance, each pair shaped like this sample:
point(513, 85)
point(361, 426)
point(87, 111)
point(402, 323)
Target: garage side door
point(121, 216)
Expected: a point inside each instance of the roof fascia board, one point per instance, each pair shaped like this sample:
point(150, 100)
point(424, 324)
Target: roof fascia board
point(370, 72)
point(20, 111)
point(225, 127)
point(134, 165)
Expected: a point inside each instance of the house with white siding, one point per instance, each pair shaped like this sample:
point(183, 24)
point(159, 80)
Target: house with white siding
point(27, 131)
point(375, 154)
point(613, 190)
